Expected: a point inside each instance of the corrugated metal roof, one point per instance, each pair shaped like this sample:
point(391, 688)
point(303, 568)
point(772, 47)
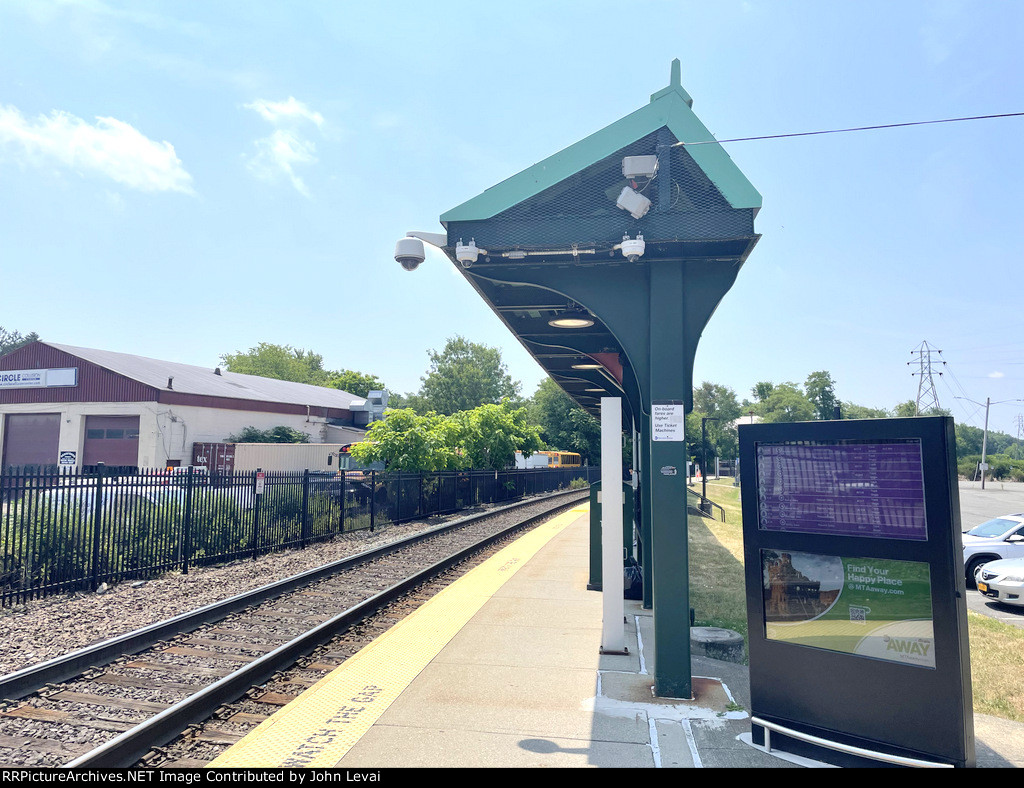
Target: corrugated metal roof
point(188, 379)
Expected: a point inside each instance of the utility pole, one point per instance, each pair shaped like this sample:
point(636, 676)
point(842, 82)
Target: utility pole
point(984, 442)
point(927, 397)
point(984, 435)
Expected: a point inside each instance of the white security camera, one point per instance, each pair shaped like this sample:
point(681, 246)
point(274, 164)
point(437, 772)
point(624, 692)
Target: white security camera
point(467, 254)
point(410, 253)
point(632, 250)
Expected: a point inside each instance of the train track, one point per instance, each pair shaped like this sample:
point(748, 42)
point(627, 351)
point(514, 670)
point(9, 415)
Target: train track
point(120, 702)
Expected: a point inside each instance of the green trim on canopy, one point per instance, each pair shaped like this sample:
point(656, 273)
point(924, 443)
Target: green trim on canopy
point(668, 107)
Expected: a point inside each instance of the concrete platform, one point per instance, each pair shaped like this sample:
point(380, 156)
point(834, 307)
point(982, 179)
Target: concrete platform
point(519, 682)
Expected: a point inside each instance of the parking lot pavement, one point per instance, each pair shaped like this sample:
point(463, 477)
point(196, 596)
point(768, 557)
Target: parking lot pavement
point(977, 506)
point(1008, 614)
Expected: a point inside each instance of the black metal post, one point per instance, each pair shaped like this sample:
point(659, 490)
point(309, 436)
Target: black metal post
point(186, 525)
point(344, 496)
point(255, 511)
point(97, 523)
point(373, 498)
point(704, 459)
point(304, 530)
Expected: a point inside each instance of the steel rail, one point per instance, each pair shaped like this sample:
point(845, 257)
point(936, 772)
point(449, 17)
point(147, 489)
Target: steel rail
point(126, 749)
point(26, 681)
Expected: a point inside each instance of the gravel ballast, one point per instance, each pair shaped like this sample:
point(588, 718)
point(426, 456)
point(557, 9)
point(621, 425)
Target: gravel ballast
point(44, 629)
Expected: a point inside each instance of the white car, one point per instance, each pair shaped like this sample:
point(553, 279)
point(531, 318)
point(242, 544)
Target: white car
point(1002, 580)
point(1002, 537)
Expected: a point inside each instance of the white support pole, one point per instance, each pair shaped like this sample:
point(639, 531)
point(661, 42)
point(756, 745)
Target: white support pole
point(612, 631)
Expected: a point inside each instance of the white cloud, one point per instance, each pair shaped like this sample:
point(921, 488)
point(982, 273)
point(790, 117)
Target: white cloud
point(110, 147)
point(997, 374)
point(285, 112)
point(278, 154)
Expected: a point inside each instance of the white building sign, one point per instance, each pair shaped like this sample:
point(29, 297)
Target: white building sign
point(38, 378)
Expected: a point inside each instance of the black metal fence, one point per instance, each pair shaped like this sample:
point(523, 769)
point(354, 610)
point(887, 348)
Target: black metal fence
point(67, 530)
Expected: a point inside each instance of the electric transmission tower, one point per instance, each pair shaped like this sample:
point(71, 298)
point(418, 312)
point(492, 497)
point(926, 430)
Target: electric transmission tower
point(927, 397)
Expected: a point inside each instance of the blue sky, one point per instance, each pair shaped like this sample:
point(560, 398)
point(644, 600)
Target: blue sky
point(186, 179)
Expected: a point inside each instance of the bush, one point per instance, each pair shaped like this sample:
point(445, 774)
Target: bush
point(1001, 467)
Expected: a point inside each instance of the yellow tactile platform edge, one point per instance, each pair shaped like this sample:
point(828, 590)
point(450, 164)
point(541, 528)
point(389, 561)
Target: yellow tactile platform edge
point(320, 726)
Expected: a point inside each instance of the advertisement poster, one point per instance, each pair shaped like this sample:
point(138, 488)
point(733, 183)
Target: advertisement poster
point(869, 607)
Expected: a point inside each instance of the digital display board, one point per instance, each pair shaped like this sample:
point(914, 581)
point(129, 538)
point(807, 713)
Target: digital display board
point(855, 586)
point(870, 607)
point(842, 488)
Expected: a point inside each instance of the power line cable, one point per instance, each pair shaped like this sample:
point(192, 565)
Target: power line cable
point(855, 128)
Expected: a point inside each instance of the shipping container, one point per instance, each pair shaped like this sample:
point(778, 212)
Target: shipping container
point(223, 458)
point(217, 458)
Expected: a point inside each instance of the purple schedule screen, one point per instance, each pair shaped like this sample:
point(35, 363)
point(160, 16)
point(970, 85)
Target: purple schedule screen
point(842, 489)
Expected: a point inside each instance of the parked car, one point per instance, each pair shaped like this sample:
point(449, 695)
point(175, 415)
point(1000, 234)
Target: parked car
point(1002, 580)
point(1000, 538)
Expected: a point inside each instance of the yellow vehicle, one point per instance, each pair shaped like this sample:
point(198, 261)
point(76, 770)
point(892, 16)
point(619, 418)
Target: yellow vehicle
point(549, 459)
point(564, 459)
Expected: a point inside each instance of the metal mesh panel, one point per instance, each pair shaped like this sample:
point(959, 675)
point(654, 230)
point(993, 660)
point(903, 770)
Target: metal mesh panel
point(685, 205)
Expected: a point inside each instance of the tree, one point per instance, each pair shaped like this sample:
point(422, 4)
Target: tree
point(12, 340)
point(279, 434)
point(718, 404)
point(851, 410)
point(909, 408)
point(407, 441)
point(490, 435)
point(762, 390)
point(820, 389)
point(485, 437)
point(786, 403)
point(563, 424)
point(464, 376)
point(282, 362)
point(717, 401)
point(354, 382)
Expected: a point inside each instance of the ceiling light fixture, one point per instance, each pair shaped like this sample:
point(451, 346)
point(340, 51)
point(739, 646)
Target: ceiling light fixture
point(587, 365)
point(572, 318)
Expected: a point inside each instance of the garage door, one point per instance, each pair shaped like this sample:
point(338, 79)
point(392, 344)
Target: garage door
point(112, 440)
point(30, 439)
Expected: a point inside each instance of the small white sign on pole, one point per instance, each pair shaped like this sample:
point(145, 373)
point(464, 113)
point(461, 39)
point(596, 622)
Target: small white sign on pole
point(613, 639)
point(667, 421)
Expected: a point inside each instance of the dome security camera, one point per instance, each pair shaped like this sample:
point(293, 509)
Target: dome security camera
point(467, 254)
point(410, 253)
point(632, 250)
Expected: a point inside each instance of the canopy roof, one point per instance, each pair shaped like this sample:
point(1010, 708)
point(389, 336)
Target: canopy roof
point(546, 232)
